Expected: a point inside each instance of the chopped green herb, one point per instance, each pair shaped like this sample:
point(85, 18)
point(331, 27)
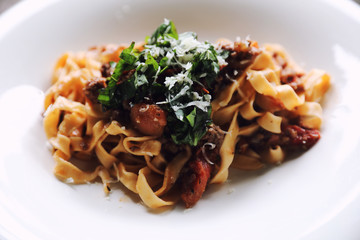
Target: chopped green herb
point(164, 32)
point(191, 117)
point(169, 71)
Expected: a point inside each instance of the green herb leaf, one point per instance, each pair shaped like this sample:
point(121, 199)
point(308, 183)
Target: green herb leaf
point(162, 33)
point(111, 96)
point(206, 66)
point(191, 117)
point(128, 55)
point(140, 79)
point(163, 62)
point(184, 133)
point(152, 64)
point(126, 62)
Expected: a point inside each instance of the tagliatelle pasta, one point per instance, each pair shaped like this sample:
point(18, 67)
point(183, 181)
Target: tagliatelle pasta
point(160, 127)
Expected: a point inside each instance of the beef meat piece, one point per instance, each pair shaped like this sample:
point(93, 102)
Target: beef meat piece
point(92, 88)
point(106, 70)
point(198, 170)
point(149, 119)
point(298, 138)
point(292, 137)
point(293, 79)
point(241, 55)
point(289, 75)
point(195, 180)
point(214, 136)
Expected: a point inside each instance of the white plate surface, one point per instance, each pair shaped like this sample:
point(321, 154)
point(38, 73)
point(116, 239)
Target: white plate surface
point(316, 196)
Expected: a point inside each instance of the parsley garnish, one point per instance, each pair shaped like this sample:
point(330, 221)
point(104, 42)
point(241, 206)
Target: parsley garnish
point(172, 70)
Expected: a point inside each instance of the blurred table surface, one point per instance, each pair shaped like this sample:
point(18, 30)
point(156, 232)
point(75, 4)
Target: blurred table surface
point(5, 4)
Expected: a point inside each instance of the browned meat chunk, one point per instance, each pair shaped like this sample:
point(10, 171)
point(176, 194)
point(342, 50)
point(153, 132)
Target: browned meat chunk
point(241, 56)
point(198, 171)
point(149, 119)
point(214, 137)
point(106, 70)
point(289, 75)
point(92, 88)
point(300, 138)
point(196, 179)
point(292, 137)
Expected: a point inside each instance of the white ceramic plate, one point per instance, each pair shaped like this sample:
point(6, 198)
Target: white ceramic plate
point(316, 196)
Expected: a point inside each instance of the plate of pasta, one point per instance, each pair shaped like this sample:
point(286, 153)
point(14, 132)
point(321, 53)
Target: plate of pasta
point(180, 119)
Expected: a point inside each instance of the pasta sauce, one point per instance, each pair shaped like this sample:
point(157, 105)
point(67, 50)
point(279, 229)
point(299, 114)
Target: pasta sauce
point(170, 116)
